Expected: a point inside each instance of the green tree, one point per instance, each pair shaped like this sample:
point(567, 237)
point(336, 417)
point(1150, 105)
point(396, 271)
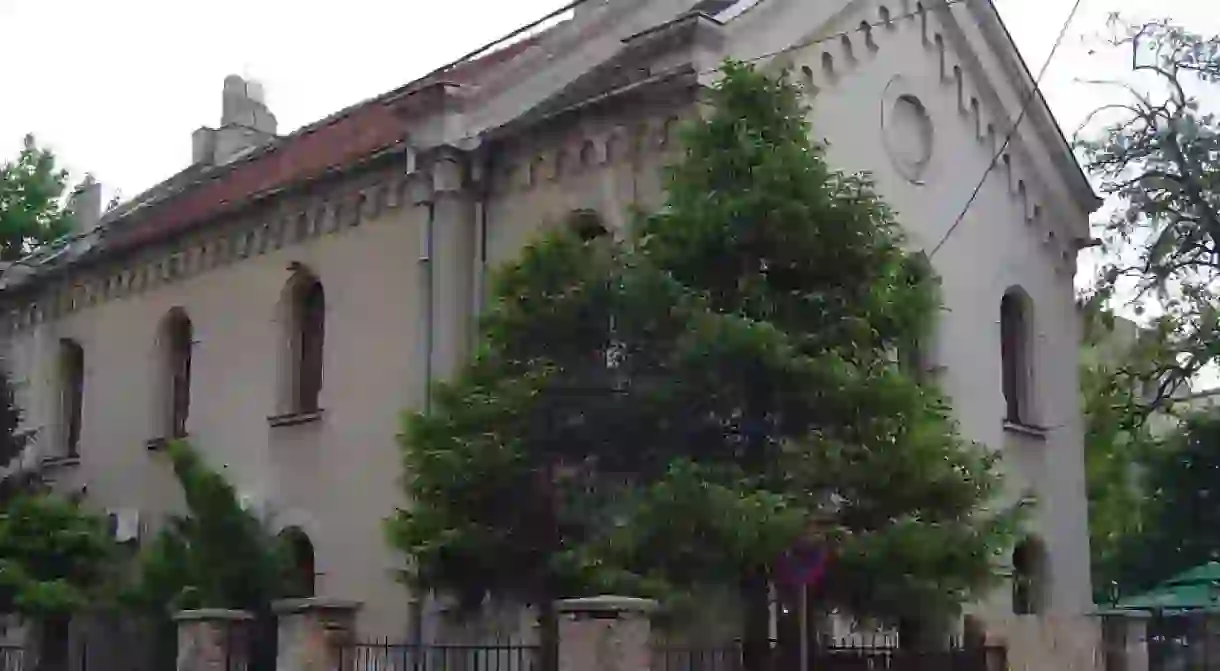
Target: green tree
point(1182, 528)
point(1120, 442)
point(54, 557)
point(1156, 159)
point(32, 203)
point(12, 440)
point(805, 265)
point(217, 555)
point(677, 411)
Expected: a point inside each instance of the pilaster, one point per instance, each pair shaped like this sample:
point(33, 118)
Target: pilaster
point(452, 257)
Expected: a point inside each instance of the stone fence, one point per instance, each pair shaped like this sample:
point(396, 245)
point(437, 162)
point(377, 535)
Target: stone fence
point(611, 633)
point(606, 633)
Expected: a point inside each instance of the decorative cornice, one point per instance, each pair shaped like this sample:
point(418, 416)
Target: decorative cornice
point(583, 151)
point(1027, 192)
point(300, 218)
point(294, 219)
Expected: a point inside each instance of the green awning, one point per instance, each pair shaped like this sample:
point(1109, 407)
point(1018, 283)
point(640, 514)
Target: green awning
point(1209, 572)
point(1195, 589)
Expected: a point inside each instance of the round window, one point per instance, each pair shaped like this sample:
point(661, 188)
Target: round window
point(909, 137)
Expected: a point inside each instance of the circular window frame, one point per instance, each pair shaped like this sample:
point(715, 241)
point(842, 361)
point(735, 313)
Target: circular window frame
point(897, 91)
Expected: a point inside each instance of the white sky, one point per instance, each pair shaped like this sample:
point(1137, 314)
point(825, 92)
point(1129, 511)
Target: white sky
point(116, 87)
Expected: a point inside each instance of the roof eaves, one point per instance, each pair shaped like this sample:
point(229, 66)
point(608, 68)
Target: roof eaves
point(992, 25)
point(126, 216)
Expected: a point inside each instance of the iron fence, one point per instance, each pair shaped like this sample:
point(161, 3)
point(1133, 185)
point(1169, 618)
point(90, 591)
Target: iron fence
point(855, 655)
point(1180, 643)
point(12, 658)
point(387, 656)
point(862, 658)
point(688, 658)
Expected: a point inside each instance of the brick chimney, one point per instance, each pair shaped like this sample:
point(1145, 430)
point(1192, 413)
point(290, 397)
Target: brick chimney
point(245, 123)
point(85, 205)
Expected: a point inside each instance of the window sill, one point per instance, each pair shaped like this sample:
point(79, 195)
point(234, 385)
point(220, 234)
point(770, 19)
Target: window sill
point(60, 462)
point(1025, 429)
point(295, 418)
point(159, 444)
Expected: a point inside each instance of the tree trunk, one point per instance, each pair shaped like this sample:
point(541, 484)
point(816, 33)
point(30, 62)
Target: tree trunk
point(756, 629)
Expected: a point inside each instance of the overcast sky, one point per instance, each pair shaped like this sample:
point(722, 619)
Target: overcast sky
point(116, 87)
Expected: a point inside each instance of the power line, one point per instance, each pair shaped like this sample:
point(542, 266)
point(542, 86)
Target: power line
point(1011, 131)
point(501, 40)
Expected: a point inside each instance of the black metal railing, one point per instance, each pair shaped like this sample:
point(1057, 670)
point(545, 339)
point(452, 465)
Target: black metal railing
point(12, 658)
point(853, 655)
point(860, 658)
point(1180, 643)
point(414, 657)
point(688, 658)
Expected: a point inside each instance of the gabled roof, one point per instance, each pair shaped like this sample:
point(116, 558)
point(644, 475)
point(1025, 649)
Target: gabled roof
point(202, 192)
point(1038, 111)
point(372, 128)
point(333, 144)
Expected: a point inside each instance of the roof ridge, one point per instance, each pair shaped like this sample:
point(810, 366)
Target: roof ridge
point(201, 188)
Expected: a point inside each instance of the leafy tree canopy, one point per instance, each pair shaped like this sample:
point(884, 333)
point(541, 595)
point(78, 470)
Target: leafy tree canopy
point(680, 408)
point(1182, 525)
point(1120, 442)
point(12, 441)
point(54, 557)
point(217, 555)
point(1156, 158)
point(32, 203)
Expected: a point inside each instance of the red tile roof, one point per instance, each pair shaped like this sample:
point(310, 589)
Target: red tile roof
point(332, 144)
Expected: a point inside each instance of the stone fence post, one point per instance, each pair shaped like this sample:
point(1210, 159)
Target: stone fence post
point(1137, 643)
point(605, 633)
point(1125, 636)
point(314, 633)
point(213, 639)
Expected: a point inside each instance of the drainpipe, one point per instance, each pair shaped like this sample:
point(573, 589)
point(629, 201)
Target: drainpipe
point(426, 283)
point(480, 262)
point(427, 236)
point(450, 308)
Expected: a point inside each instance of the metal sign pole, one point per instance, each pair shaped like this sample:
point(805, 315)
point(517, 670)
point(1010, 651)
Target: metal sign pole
point(803, 617)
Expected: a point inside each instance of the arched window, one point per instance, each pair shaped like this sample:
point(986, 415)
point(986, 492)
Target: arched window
point(587, 224)
point(305, 319)
point(71, 393)
point(1015, 356)
point(302, 572)
point(1029, 577)
point(177, 339)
